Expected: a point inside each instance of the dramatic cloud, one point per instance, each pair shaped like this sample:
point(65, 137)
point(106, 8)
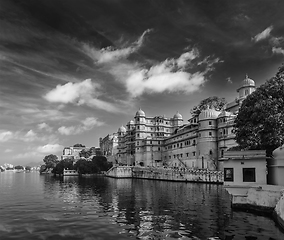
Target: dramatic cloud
point(84, 92)
point(30, 136)
point(50, 148)
point(44, 126)
point(85, 125)
point(5, 136)
point(278, 50)
point(263, 35)
point(170, 76)
point(110, 54)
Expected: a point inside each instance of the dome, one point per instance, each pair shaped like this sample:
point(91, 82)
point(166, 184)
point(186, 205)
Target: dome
point(208, 114)
point(178, 116)
point(131, 122)
point(248, 82)
point(140, 113)
point(278, 153)
point(225, 114)
point(122, 129)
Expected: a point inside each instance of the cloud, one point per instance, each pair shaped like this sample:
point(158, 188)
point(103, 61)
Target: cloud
point(44, 126)
point(30, 136)
point(170, 75)
point(6, 136)
point(84, 92)
point(8, 150)
point(50, 148)
point(110, 54)
point(87, 124)
point(263, 35)
point(229, 80)
point(278, 50)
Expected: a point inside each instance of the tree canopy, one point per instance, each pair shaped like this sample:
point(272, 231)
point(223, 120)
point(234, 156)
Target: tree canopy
point(79, 145)
point(260, 121)
point(50, 161)
point(211, 102)
point(65, 163)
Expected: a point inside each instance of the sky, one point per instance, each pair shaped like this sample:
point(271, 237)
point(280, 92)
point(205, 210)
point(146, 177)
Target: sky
point(74, 71)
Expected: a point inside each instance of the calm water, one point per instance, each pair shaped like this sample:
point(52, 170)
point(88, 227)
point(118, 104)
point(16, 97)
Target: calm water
point(34, 206)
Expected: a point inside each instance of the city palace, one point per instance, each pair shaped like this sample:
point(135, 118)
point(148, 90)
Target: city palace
point(161, 141)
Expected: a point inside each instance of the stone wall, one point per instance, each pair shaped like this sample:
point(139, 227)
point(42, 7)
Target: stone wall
point(261, 198)
point(169, 174)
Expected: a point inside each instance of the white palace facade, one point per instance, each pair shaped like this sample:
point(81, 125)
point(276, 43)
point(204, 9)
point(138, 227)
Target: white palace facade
point(162, 141)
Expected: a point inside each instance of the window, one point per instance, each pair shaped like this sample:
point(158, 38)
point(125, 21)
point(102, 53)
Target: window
point(210, 133)
point(210, 152)
point(248, 174)
point(222, 153)
point(193, 143)
point(210, 123)
point(246, 92)
point(228, 174)
point(187, 154)
point(193, 153)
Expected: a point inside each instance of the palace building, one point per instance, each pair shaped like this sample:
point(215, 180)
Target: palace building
point(161, 141)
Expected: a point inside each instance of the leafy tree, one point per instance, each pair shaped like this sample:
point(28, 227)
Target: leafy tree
point(42, 168)
point(65, 163)
point(85, 167)
point(86, 153)
point(18, 167)
point(50, 161)
point(101, 163)
point(79, 145)
point(28, 168)
point(260, 121)
point(211, 102)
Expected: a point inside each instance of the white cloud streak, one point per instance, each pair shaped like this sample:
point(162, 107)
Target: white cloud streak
point(169, 76)
point(263, 35)
point(110, 54)
point(84, 92)
point(86, 125)
point(50, 148)
point(278, 50)
point(6, 136)
point(44, 126)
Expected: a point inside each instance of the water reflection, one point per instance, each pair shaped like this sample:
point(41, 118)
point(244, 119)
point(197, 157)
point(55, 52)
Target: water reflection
point(44, 207)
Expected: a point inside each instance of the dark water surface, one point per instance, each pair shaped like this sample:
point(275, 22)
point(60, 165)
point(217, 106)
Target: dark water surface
point(34, 206)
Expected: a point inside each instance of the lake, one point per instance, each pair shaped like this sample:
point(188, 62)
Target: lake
point(34, 206)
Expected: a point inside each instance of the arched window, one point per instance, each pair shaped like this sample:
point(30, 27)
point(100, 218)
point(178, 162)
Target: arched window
point(246, 92)
point(210, 152)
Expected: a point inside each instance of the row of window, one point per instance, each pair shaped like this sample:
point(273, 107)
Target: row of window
point(181, 155)
point(179, 145)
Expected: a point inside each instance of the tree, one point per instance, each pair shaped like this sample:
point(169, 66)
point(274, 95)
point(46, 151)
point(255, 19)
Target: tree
point(18, 167)
point(260, 121)
point(85, 167)
point(79, 145)
point(101, 163)
point(50, 161)
point(211, 102)
point(60, 166)
point(28, 168)
point(85, 153)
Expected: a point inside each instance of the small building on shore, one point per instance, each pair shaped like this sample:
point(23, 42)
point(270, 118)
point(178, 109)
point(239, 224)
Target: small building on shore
point(243, 168)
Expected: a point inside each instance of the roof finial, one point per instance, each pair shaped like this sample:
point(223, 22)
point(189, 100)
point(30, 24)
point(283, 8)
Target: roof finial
point(247, 76)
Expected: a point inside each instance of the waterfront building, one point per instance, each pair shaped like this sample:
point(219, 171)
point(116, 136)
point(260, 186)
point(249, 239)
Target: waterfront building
point(108, 146)
point(161, 141)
